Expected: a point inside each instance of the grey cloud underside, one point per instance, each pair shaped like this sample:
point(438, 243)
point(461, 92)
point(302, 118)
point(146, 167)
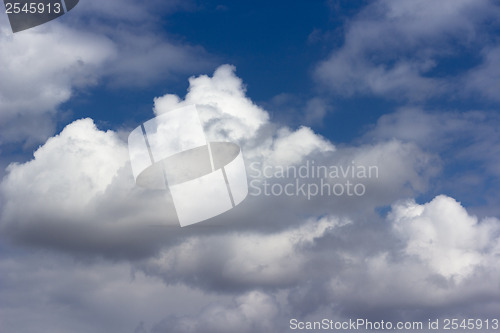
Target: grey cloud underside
point(461, 139)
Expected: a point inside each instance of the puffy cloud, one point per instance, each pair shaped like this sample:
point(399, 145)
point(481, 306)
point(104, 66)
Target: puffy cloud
point(443, 258)
point(434, 255)
point(442, 234)
point(80, 155)
point(42, 68)
point(273, 257)
point(76, 191)
point(45, 65)
point(82, 197)
point(228, 115)
point(391, 47)
point(224, 109)
point(277, 254)
point(432, 259)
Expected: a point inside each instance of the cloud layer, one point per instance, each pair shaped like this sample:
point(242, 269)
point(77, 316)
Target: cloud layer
point(46, 65)
point(85, 250)
point(271, 259)
point(398, 50)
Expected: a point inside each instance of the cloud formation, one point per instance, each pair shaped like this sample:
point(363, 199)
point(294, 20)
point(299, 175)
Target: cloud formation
point(43, 75)
point(85, 250)
point(47, 64)
point(461, 139)
point(442, 234)
point(395, 50)
point(103, 193)
point(285, 256)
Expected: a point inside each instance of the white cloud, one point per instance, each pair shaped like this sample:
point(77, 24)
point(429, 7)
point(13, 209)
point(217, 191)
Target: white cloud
point(391, 47)
point(278, 255)
point(75, 192)
point(80, 155)
point(86, 170)
point(144, 54)
point(270, 258)
point(224, 109)
point(432, 259)
point(443, 235)
point(44, 66)
point(435, 259)
point(40, 70)
point(228, 115)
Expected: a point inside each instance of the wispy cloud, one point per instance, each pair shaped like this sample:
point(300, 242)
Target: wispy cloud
point(394, 49)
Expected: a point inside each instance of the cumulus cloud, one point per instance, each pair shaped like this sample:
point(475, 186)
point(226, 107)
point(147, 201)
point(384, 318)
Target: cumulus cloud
point(270, 258)
point(81, 155)
point(224, 109)
point(113, 257)
point(86, 170)
point(392, 48)
point(445, 255)
point(442, 234)
point(437, 239)
point(68, 194)
point(412, 270)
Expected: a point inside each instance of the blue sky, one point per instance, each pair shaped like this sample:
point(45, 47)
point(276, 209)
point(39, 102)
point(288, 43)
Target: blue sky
point(271, 44)
point(410, 87)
